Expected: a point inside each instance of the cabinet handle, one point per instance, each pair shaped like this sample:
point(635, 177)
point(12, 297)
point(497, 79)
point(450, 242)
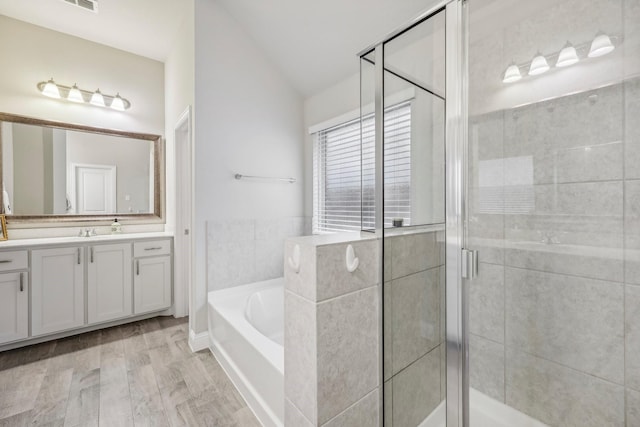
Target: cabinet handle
point(21, 283)
point(137, 267)
point(155, 248)
point(5, 261)
point(78, 256)
point(92, 254)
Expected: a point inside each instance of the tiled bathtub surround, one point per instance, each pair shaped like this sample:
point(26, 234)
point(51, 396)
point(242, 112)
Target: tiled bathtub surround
point(331, 332)
point(241, 251)
point(555, 313)
point(413, 324)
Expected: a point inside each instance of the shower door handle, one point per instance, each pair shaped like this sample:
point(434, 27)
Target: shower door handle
point(469, 264)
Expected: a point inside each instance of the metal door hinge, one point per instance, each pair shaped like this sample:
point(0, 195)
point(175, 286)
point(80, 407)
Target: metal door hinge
point(469, 264)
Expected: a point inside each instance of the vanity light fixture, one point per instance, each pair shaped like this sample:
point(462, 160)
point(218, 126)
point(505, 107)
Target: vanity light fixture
point(75, 94)
point(512, 74)
point(539, 65)
point(567, 56)
point(50, 89)
point(601, 45)
point(117, 103)
point(97, 98)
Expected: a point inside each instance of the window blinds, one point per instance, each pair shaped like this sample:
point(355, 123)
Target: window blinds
point(344, 171)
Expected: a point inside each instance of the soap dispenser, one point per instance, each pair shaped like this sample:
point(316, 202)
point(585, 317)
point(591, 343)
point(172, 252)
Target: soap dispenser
point(116, 228)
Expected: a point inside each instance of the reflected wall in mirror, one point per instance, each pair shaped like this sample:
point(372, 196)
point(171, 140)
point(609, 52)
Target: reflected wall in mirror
point(70, 172)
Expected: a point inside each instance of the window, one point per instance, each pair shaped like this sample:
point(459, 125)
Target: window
point(343, 172)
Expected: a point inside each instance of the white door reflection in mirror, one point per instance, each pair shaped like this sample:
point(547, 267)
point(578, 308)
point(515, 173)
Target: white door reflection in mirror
point(95, 189)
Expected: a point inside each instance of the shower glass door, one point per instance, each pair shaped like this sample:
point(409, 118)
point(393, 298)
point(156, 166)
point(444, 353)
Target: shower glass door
point(553, 207)
point(403, 135)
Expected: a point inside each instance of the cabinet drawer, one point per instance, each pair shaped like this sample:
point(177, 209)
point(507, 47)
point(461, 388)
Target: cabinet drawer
point(152, 248)
point(14, 260)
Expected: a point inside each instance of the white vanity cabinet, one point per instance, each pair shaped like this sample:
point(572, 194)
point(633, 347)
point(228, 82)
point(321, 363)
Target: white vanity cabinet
point(152, 276)
point(14, 296)
point(57, 289)
point(50, 288)
point(109, 292)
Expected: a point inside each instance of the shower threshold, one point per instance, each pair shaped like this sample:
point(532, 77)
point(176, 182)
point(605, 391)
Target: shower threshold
point(485, 412)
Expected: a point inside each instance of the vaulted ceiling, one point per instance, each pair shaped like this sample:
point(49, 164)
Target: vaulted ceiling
point(315, 43)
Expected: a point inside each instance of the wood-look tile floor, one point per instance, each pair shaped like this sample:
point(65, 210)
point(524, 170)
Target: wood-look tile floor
point(139, 374)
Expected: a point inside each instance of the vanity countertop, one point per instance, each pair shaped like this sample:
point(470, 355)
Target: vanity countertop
point(100, 238)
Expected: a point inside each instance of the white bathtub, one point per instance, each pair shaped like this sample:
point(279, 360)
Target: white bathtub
point(246, 328)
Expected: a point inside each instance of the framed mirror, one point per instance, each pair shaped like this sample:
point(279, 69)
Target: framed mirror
point(67, 173)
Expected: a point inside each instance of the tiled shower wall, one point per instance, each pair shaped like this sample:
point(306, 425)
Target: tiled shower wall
point(414, 354)
point(241, 251)
point(555, 213)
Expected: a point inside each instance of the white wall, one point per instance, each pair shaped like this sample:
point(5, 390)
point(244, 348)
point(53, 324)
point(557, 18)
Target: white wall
point(179, 95)
point(248, 119)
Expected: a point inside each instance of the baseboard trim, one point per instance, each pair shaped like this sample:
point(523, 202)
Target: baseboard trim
point(199, 341)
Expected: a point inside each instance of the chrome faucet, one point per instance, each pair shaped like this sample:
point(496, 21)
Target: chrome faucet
point(87, 232)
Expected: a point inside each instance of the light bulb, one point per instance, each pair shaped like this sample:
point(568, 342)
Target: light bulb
point(568, 56)
point(117, 103)
point(601, 45)
point(539, 65)
point(97, 98)
point(512, 74)
point(51, 89)
point(75, 95)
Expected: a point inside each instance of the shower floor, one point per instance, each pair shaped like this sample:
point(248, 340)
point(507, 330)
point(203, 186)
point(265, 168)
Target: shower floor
point(485, 412)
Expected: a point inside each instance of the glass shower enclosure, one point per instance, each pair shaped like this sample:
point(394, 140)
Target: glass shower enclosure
point(506, 195)
point(403, 134)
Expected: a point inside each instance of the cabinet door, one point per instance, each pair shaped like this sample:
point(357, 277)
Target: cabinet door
point(109, 282)
point(14, 306)
point(57, 287)
point(152, 284)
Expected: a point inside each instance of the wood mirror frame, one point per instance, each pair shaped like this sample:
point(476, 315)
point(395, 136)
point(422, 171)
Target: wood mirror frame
point(157, 216)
